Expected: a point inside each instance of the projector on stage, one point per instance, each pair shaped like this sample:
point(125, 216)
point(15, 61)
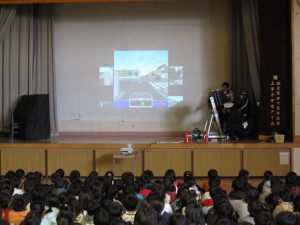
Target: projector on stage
point(127, 150)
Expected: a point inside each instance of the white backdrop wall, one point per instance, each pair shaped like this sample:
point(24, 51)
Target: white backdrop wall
point(197, 36)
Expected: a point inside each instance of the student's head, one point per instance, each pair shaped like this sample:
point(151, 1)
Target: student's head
point(285, 218)
point(238, 184)
point(4, 201)
point(20, 173)
point(74, 176)
point(111, 191)
point(268, 175)
point(102, 217)
point(85, 195)
point(59, 182)
point(37, 206)
point(93, 206)
point(18, 203)
point(244, 174)
point(127, 178)
point(52, 201)
point(212, 173)
point(64, 219)
point(255, 207)
point(178, 219)
point(194, 214)
point(169, 176)
point(225, 86)
point(156, 202)
point(130, 202)
point(119, 184)
point(187, 175)
point(252, 194)
point(224, 208)
point(128, 189)
point(145, 216)
point(148, 175)
point(264, 217)
point(291, 178)
point(115, 209)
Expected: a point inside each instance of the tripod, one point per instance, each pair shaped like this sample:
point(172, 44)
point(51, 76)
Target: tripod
point(214, 117)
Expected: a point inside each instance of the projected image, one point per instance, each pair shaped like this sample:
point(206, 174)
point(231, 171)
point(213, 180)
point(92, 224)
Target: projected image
point(143, 79)
point(106, 76)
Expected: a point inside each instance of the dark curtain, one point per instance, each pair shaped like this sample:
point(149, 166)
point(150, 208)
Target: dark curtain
point(276, 67)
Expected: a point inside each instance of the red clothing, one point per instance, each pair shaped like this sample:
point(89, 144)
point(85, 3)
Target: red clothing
point(145, 192)
point(5, 213)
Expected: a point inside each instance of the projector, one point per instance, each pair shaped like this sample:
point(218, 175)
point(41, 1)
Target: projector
point(126, 150)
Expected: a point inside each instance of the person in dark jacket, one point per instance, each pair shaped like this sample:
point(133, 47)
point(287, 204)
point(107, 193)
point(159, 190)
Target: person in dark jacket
point(234, 122)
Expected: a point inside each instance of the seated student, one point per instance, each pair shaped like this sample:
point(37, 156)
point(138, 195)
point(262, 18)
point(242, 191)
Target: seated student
point(19, 212)
point(102, 217)
point(264, 217)
point(51, 213)
point(5, 205)
point(286, 218)
point(92, 208)
point(194, 214)
point(115, 211)
point(212, 174)
point(129, 202)
point(265, 186)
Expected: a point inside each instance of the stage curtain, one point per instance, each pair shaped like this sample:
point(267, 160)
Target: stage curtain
point(241, 77)
point(250, 25)
point(26, 60)
point(7, 14)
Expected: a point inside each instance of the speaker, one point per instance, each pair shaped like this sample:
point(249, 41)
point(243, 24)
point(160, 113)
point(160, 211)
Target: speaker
point(32, 114)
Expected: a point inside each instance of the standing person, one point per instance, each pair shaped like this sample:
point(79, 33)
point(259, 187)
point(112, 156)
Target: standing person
point(234, 123)
point(227, 96)
point(245, 105)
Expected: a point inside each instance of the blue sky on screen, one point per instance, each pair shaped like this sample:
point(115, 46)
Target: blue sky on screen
point(145, 61)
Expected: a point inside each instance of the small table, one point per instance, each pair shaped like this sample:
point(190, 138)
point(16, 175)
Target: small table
point(131, 156)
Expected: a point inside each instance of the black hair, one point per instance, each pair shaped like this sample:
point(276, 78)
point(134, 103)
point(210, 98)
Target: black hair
point(93, 206)
point(238, 184)
point(285, 218)
point(115, 209)
point(225, 84)
point(194, 214)
point(38, 206)
point(127, 177)
point(18, 203)
point(264, 217)
point(255, 207)
point(212, 173)
point(74, 176)
point(178, 219)
point(145, 216)
point(102, 217)
point(130, 202)
point(85, 196)
point(268, 175)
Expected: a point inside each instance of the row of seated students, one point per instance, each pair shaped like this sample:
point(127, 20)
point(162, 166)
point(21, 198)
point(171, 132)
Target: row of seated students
point(25, 199)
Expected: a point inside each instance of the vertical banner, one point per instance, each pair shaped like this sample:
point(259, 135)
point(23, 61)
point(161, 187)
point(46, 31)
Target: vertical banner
point(275, 67)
